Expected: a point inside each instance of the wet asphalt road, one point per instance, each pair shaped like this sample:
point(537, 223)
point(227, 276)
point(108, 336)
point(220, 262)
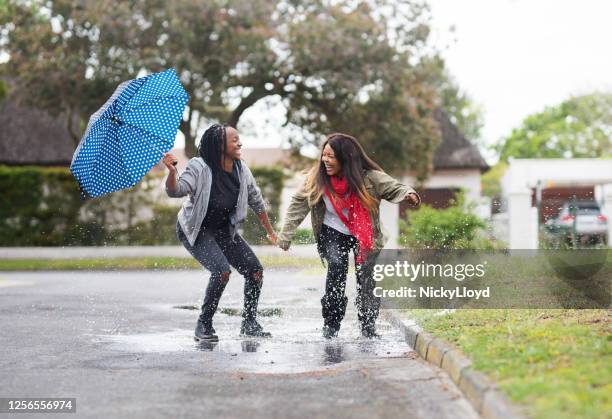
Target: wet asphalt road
point(121, 343)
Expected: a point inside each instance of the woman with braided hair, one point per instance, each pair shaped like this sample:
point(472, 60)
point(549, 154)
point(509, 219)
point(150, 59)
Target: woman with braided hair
point(343, 193)
point(220, 188)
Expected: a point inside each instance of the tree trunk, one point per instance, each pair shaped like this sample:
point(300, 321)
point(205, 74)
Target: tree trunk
point(185, 127)
point(74, 135)
point(259, 92)
point(190, 148)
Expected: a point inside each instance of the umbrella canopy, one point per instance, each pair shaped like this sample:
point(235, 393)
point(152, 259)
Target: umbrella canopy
point(129, 134)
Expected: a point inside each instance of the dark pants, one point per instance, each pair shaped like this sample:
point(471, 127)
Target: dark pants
point(334, 248)
point(216, 251)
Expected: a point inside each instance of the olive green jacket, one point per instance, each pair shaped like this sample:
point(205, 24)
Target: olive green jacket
point(379, 184)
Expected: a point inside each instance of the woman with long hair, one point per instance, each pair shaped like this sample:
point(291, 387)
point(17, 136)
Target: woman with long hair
point(220, 188)
point(343, 193)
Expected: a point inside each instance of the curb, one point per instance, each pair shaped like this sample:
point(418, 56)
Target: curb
point(482, 393)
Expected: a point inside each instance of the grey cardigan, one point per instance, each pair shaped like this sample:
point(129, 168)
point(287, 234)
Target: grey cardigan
point(196, 182)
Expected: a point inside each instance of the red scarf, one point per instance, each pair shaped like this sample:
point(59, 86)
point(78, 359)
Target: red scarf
point(358, 222)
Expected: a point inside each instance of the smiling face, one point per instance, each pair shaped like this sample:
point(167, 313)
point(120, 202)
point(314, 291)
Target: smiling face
point(233, 144)
point(332, 165)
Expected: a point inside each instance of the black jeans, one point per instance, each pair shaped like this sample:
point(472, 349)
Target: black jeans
point(216, 251)
point(334, 247)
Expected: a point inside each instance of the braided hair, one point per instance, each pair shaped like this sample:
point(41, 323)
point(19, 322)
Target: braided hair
point(212, 146)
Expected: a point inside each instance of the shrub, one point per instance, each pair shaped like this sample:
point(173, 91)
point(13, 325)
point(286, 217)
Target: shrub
point(303, 236)
point(41, 206)
point(160, 230)
point(455, 227)
point(271, 181)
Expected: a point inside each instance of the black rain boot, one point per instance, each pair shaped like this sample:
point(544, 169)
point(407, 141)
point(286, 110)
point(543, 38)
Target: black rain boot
point(250, 326)
point(204, 329)
point(367, 319)
point(368, 330)
point(205, 332)
point(333, 312)
point(368, 305)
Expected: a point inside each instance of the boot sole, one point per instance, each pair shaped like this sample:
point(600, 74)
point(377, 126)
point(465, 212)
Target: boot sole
point(245, 335)
point(206, 339)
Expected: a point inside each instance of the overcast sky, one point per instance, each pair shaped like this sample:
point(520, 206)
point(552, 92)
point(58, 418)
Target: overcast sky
point(513, 57)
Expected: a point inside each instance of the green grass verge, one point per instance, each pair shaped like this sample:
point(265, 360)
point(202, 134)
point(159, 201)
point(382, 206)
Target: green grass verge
point(137, 263)
point(556, 363)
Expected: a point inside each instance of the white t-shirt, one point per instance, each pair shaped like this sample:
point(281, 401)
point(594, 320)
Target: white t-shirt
point(332, 220)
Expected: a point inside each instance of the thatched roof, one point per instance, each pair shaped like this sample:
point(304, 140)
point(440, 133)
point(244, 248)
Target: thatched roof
point(455, 151)
point(32, 137)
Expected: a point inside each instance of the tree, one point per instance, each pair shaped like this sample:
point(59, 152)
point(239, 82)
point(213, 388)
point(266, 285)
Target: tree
point(48, 63)
point(491, 181)
point(69, 56)
point(369, 89)
point(336, 65)
point(579, 127)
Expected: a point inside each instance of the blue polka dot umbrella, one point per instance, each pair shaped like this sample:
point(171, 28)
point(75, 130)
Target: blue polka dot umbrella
point(127, 136)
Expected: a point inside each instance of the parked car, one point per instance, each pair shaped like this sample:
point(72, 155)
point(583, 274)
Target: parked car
point(582, 219)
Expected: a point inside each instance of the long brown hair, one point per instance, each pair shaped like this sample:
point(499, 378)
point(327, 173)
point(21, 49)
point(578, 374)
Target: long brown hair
point(354, 161)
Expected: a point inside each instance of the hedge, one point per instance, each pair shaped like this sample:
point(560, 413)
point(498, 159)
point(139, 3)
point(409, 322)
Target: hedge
point(271, 181)
point(41, 206)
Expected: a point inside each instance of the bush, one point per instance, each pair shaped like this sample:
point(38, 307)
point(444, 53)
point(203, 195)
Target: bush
point(303, 236)
point(38, 207)
point(41, 206)
point(455, 227)
point(271, 181)
point(160, 230)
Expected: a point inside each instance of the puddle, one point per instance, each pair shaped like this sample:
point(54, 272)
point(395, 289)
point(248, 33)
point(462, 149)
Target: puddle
point(295, 347)
point(264, 312)
point(186, 307)
point(228, 311)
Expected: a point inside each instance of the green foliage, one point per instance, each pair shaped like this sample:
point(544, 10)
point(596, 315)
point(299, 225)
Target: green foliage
point(491, 181)
point(3, 90)
point(336, 65)
point(42, 207)
point(303, 236)
point(455, 227)
point(38, 207)
point(160, 230)
point(463, 112)
point(270, 180)
point(579, 127)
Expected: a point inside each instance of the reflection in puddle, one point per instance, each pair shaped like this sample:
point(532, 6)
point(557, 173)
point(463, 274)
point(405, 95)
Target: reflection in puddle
point(205, 346)
point(249, 345)
point(333, 353)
